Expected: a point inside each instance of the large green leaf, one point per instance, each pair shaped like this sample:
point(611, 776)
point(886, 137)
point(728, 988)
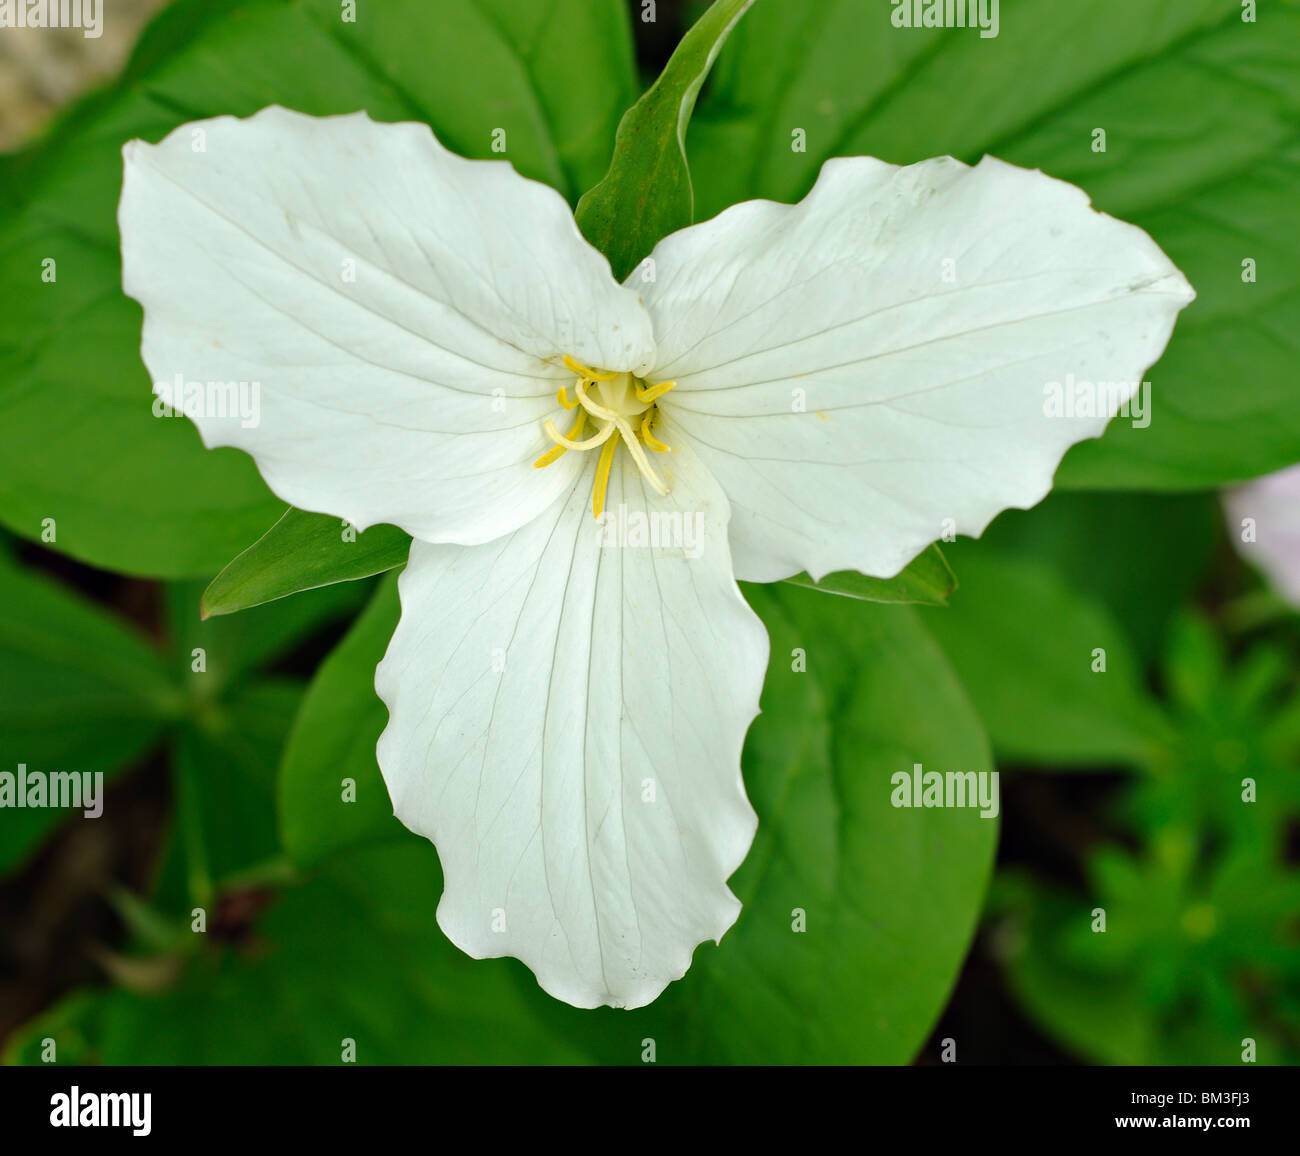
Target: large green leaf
point(78, 444)
point(82, 693)
point(359, 955)
point(1202, 115)
point(333, 739)
point(866, 980)
point(891, 895)
point(1049, 670)
point(647, 192)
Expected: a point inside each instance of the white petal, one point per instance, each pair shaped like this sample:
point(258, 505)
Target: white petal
point(1272, 503)
point(404, 311)
point(849, 399)
point(586, 801)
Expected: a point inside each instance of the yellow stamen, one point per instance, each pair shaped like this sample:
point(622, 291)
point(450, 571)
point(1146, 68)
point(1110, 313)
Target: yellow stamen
point(650, 392)
point(596, 439)
point(547, 458)
point(642, 462)
point(614, 401)
point(646, 436)
point(590, 406)
point(579, 370)
point(602, 476)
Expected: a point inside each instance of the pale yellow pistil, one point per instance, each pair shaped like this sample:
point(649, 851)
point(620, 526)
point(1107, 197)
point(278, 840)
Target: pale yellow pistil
point(615, 401)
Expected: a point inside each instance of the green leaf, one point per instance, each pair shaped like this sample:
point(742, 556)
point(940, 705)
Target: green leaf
point(1223, 404)
point(647, 193)
point(78, 443)
point(235, 645)
point(1143, 555)
point(82, 693)
point(1238, 721)
point(302, 552)
point(891, 895)
point(333, 739)
point(355, 954)
point(1194, 958)
point(927, 580)
point(1025, 643)
point(1202, 116)
point(229, 761)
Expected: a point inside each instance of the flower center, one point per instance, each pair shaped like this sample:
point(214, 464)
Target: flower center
point(620, 406)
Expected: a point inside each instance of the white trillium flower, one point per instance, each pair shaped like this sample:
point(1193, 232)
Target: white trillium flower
point(811, 381)
point(1267, 509)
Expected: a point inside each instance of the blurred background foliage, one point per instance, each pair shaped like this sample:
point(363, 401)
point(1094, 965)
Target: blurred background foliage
point(225, 741)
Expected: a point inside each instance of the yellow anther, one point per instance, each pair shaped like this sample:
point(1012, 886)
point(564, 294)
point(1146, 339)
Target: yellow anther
point(579, 370)
point(650, 392)
point(562, 396)
point(547, 458)
point(602, 476)
point(646, 436)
